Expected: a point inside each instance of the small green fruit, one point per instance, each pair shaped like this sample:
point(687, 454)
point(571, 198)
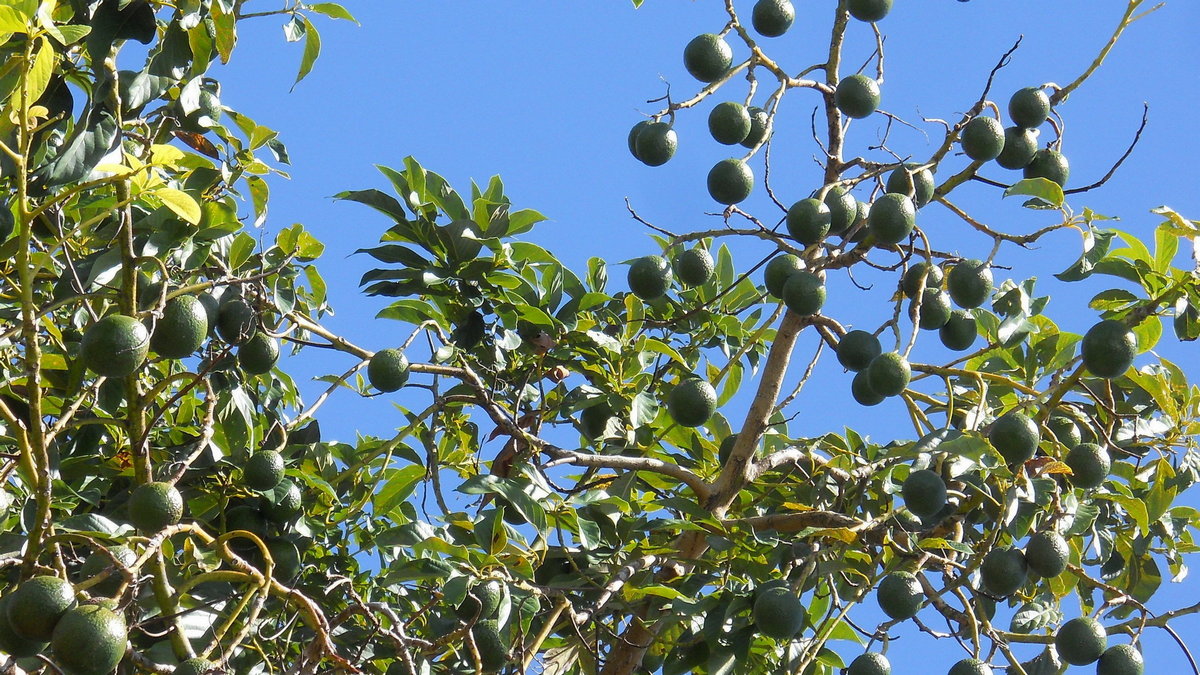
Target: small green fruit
point(982, 138)
point(772, 18)
point(857, 349)
point(729, 123)
point(730, 181)
point(707, 57)
point(1029, 107)
point(892, 218)
point(692, 402)
point(808, 221)
point(649, 277)
point(857, 96)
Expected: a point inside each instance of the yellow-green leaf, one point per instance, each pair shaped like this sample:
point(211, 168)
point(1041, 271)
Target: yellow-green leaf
point(40, 71)
point(181, 203)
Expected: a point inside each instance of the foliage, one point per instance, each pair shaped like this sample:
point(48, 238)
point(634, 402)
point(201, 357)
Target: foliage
point(603, 536)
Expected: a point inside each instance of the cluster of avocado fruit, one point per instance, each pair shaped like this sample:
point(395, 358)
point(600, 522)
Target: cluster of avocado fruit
point(1005, 569)
point(1080, 641)
point(117, 345)
point(709, 58)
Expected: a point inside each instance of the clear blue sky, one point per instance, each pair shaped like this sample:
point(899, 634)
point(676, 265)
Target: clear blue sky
point(544, 93)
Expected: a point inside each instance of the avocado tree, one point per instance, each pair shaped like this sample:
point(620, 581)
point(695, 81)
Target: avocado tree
point(569, 491)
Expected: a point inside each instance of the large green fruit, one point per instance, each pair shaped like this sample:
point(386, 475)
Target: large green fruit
point(287, 504)
point(153, 506)
point(707, 57)
point(863, 393)
point(982, 138)
point(1004, 571)
point(935, 309)
point(493, 651)
point(482, 601)
point(694, 267)
point(237, 321)
point(730, 181)
point(89, 640)
point(960, 331)
point(1081, 641)
point(857, 96)
point(182, 328)
point(900, 595)
point(778, 270)
point(856, 350)
point(1029, 107)
point(264, 470)
point(1015, 436)
point(115, 346)
point(969, 283)
point(869, 10)
point(843, 209)
point(889, 374)
point(892, 218)
point(759, 127)
point(970, 667)
point(1065, 430)
point(195, 667)
point(692, 402)
point(594, 419)
point(37, 605)
point(910, 283)
point(1089, 464)
point(1108, 349)
point(656, 143)
point(12, 643)
point(808, 221)
point(649, 277)
point(1020, 145)
point(1122, 659)
point(634, 132)
point(772, 18)
point(387, 370)
point(1047, 553)
point(98, 562)
point(259, 354)
point(804, 293)
point(1049, 164)
point(924, 493)
point(914, 182)
point(870, 663)
point(778, 613)
point(729, 123)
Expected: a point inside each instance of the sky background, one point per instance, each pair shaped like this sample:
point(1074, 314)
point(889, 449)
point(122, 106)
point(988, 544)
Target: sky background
point(544, 94)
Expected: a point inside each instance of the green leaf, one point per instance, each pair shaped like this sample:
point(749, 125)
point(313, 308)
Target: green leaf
point(512, 491)
point(1135, 507)
point(1148, 333)
point(398, 486)
point(1042, 188)
point(226, 31)
point(181, 204)
point(83, 152)
point(11, 21)
point(40, 71)
point(332, 10)
point(241, 249)
point(522, 221)
point(1095, 246)
point(1112, 299)
point(1166, 245)
point(259, 193)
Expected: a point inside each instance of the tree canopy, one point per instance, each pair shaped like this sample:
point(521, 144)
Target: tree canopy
point(568, 489)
